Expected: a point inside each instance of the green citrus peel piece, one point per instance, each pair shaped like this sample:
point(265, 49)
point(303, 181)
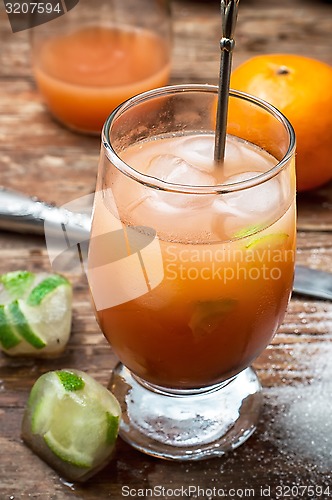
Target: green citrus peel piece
point(19, 322)
point(70, 381)
point(269, 240)
point(207, 316)
point(248, 231)
point(45, 287)
point(112, 427)
point(67, 453)
point(8, 337)
point(17, 283)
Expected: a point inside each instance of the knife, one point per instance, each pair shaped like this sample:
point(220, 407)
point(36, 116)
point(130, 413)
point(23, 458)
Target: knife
point(313, 282)
point(20, 213)
point(24, 214)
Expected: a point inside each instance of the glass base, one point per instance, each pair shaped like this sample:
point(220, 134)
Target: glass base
point(187, 424)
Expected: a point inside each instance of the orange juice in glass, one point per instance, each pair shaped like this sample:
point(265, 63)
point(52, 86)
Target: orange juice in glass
point(208, 267)
point(98, 55)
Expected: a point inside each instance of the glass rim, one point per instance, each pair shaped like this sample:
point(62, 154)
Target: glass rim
point(159, 184)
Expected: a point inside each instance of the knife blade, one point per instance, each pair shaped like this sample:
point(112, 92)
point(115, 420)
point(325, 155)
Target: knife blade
point(313, 282)
point(24, 214)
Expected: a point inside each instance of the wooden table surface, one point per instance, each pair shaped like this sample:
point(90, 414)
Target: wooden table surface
point(292, 445)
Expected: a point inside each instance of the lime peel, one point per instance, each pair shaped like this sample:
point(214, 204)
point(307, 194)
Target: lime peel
point(17, 283)
point(266, 240)
point(70, 381)
point(44, 288)
point(248, 231)
point(68, 455)
point(112, 427)
point(8, 337)
point(207, 316)
point(22, 327)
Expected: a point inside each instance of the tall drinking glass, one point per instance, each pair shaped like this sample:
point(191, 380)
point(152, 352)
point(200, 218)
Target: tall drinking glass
point(191, 263)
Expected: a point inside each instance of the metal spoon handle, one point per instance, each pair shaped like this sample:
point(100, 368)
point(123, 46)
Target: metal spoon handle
point(229, 10)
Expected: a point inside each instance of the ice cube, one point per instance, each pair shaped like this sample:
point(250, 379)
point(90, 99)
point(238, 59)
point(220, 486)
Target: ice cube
point(237, 210)
point(244, 176)
point(174, 169)
point(173, 215)
point(258, 203)
point(226, 219)
point(244, 159)
point(234, 160)
point(198, 151)
point(256, 200)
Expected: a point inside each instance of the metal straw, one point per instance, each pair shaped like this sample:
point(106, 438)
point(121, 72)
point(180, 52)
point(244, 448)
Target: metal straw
point(229, 10)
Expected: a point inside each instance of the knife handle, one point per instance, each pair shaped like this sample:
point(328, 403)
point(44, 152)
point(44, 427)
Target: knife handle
point(24, 214)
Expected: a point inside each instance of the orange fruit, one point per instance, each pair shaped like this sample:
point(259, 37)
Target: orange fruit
point(301, 88)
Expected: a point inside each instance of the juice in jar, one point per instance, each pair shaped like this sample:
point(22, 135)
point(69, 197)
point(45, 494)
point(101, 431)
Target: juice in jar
point(228, 262)
point(84, 75)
